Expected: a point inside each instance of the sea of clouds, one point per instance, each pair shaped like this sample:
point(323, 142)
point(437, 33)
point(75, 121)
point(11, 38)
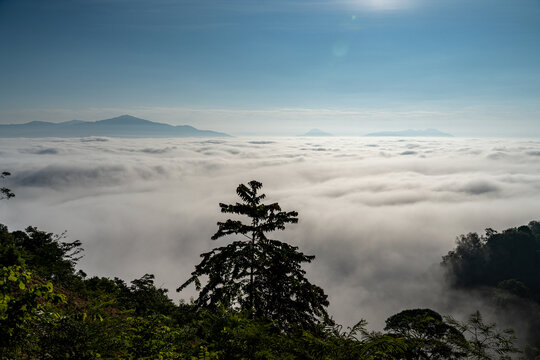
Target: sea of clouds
point(378, 213)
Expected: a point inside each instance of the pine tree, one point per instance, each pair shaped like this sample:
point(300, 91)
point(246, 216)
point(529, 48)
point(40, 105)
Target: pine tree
point(260, 275)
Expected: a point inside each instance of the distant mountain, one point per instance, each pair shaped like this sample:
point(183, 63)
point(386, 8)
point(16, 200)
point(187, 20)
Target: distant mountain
point(316, 132)
point(412, 133)
point(121, 126)
point(72, 122)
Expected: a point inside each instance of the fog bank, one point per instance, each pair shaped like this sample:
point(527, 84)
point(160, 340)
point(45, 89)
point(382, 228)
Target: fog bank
point(377, 212)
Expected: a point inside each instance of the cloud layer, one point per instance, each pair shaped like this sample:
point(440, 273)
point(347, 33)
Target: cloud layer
point(377, 212)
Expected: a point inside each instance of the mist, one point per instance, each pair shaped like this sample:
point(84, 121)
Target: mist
point(378, 213)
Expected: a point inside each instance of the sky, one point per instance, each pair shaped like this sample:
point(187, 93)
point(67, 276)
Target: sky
point(260, 67)
point(378, 213)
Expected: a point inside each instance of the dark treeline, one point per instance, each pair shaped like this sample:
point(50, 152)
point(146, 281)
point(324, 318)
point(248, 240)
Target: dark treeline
point(505, 266)
point(254, 302)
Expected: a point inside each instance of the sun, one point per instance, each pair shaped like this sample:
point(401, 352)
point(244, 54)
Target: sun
point(379, 5)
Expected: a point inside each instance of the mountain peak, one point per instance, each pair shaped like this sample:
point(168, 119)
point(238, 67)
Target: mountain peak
point(124, 120)
point(38, 123)
point(317, 132)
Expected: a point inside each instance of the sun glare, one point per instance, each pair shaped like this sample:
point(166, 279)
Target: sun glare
point(379, 5)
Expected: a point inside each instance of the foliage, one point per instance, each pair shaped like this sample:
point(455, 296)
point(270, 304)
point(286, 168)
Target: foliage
point(45, 253)
point(75, 335)
point(5, 193)
point(151, 338)
point(260, 275)
point(354, 343)
point(505, 266)
point(427, 335)
point(143, 296)
point(512, 255)
point(234, 335)
point(22, 302)
point(485, 341)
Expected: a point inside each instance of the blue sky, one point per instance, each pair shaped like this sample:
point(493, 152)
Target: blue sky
point(276, 67)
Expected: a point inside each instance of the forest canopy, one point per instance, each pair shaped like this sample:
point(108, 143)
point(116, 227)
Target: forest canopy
point(504, 264)
point(509, 260)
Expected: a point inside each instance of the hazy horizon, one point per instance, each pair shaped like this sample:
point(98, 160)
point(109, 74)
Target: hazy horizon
point(399, 133)
point(148, 133)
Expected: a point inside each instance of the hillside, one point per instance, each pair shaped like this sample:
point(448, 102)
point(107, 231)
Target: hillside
point(121, 126)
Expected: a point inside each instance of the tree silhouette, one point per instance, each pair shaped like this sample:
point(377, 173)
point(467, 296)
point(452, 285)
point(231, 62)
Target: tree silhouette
point(260, 275)
point(427, 334)
point(498, 259)
point(5, 193)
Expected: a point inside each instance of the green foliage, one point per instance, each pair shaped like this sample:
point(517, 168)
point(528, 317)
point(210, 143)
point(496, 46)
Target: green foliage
point(234, 335)
point(260, 275)
point(204, 354)
point(151, 337)
point(73, 336)
point(23, 301)
point(45, 253)
point(377, 346)
point(354, 343)
point(9, 253)
point(143, 297)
